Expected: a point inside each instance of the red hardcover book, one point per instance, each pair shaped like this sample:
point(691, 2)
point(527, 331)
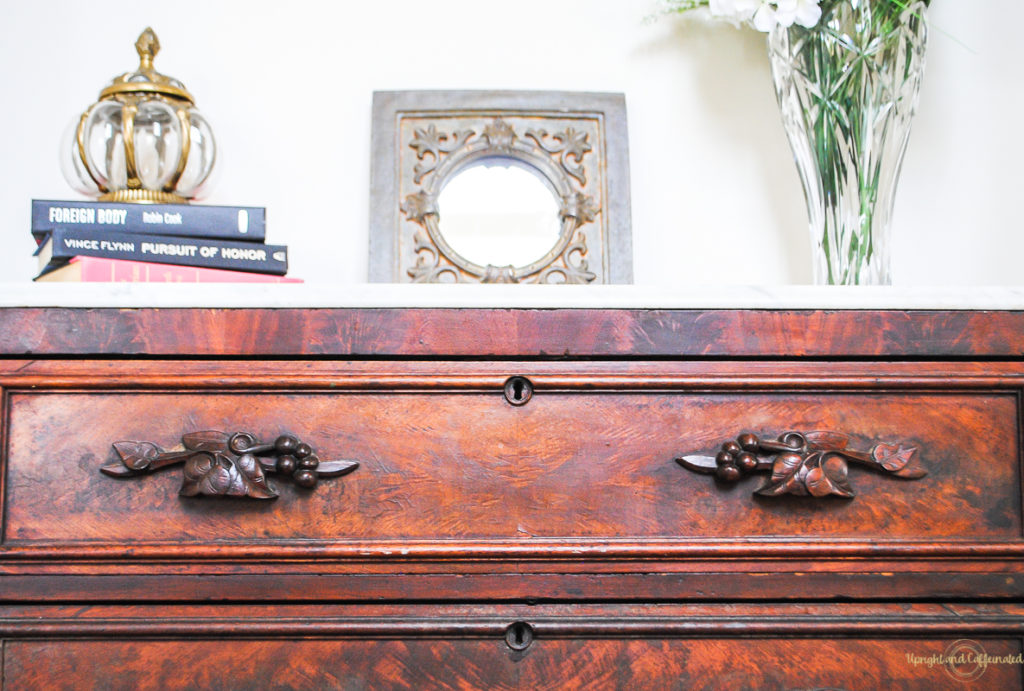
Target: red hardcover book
point(101, 270)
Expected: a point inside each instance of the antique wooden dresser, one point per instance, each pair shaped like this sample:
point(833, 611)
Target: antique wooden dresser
point(511, 498)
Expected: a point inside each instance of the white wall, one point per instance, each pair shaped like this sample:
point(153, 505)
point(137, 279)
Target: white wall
point(716, 200)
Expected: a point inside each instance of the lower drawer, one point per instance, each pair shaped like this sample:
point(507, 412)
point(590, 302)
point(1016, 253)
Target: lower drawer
point(514, 647)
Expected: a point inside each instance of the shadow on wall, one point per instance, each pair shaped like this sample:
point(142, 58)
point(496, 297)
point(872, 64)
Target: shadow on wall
point(729, 68)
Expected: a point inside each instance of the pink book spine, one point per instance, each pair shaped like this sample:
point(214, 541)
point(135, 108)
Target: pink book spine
point(99, 270)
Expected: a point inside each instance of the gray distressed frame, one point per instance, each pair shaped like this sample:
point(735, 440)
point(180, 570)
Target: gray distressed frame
point(393, 213)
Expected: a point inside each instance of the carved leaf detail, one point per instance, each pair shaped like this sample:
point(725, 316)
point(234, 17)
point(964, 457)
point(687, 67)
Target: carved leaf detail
point(571, 143)
point(499, 134)
point(431, 266)
point(459, 139)
point(137, 455)
point(216, 474)
point(427, 141)
point(579, 206)
point(251, 477)
point(573, 268)
point(788, 472)
point(576, 144)
point(336, 468)
point(830, 476)
point(432, 142)
point(210, 440)
point(117, 469)
point(417, 206)
point(898, 459)
point(891, 456)
point(838, 473)
point(499, 274)
point(818, 483)
point(785, 465)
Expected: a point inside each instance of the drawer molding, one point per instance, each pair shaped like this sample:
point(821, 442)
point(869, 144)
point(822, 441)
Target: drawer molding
point(525, 622)
point(804, 464)
point(233, 465)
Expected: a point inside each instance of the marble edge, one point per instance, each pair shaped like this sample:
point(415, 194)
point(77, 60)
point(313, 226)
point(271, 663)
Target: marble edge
point(284, 296)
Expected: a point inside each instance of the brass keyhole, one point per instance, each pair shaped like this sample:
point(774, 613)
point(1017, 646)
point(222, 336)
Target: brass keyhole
point(518, 390)
point(519, 635)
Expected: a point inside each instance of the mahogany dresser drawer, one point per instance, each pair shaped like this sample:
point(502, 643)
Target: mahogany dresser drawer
point(526, 497)
point(919, 647)
point(510, 499)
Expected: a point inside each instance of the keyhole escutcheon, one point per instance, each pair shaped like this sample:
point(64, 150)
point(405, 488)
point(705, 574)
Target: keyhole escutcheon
point(519, 635)
point(518, 390)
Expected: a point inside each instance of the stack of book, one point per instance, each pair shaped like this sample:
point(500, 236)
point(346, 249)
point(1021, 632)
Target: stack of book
point(106, 241)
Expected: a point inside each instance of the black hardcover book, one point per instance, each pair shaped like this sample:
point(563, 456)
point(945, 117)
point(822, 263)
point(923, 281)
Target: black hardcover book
point(64, 243)
point(245, 223)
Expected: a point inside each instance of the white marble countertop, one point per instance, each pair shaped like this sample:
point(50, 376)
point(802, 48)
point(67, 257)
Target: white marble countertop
point(129, 295)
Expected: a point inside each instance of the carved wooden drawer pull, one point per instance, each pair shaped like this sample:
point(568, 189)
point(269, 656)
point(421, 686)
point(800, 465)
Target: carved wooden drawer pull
point(232, 465)
point(813, 464)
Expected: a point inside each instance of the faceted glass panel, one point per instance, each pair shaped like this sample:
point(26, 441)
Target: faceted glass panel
point(848, 90)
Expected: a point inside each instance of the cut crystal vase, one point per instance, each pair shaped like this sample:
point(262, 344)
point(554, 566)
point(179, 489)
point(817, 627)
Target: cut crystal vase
point(847, 89)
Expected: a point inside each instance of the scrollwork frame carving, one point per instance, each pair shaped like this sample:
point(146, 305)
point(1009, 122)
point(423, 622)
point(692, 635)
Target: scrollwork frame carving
point(575, 142)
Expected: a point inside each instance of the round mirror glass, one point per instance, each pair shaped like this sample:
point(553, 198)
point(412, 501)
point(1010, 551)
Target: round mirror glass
point(496, 212)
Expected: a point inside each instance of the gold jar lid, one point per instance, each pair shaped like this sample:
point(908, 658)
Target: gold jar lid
point(146, 79)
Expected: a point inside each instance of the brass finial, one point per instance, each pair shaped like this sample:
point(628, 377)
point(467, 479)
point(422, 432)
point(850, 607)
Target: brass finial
point(145, 78)
point(147, 46)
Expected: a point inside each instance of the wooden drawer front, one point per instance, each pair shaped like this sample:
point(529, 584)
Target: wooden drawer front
point(564, 646)
point(454, 480)
point(467, 664)
point(453, 460)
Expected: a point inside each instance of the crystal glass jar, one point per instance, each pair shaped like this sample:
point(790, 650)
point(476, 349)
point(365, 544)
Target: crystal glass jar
point(143, 141)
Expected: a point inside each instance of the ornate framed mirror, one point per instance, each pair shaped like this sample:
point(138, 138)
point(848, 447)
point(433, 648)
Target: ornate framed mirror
point(499, 187)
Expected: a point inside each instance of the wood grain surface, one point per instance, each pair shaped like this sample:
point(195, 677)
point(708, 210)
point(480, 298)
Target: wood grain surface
point(409, 646)
point(765, 664)
point(467, 466)
point(548, 333)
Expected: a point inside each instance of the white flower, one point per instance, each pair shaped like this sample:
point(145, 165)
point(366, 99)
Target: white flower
point(803, 12)
point(765, 15)
point(734, 10)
